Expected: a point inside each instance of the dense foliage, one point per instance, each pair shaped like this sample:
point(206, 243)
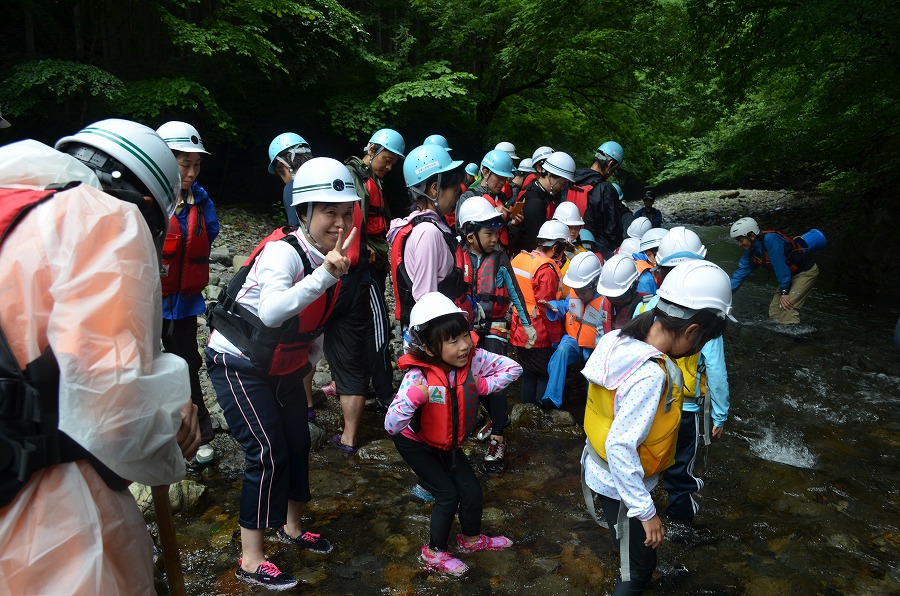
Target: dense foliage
point(700, 92)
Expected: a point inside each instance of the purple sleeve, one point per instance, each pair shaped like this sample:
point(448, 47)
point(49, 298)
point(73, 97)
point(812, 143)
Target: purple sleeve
point(428, 259)
point(402, 409)
point(498, 371)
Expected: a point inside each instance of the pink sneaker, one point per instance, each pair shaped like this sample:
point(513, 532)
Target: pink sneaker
point(443, 562)
point(483, 543)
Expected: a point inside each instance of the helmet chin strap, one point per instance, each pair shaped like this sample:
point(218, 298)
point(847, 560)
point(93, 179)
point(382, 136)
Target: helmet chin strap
point(305, 227)
point(286, 164)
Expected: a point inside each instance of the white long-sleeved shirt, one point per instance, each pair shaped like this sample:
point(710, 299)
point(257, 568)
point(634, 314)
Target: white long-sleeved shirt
point(277, 288)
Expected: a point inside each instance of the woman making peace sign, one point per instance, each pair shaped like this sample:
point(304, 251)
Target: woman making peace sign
point(258, 354)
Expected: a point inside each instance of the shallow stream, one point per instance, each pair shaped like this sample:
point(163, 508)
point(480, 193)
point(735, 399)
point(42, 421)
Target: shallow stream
point(801, 494)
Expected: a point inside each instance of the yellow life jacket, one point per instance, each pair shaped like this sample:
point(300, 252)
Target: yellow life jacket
point(657, 452)
point(694, 377)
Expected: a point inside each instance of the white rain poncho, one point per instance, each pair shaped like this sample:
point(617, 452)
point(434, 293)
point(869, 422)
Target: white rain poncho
point(79, 274)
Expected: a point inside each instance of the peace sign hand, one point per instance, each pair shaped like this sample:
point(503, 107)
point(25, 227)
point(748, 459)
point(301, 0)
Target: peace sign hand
point(337, 263)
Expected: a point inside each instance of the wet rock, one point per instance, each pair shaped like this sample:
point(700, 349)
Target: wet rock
point(531, 416)
point(221, 254)
point(317, 437)
point(142, 497)
point(381, 451)
point(186, 496)
point(525, 416)
point(398, 545)
point(400, 578)
point(221, 534)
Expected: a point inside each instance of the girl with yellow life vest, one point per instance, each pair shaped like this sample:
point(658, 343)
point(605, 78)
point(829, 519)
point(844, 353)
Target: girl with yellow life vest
point(632, 419)
point(434, 410)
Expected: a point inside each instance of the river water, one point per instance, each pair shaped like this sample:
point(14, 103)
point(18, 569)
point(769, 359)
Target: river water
point(801, 494)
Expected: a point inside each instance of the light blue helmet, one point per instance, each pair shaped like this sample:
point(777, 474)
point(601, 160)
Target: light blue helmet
point(472, 169)
point(613, 150)
point(286, 140)
point(425, 161)
point(585, 235)
point(390, 139)
point(439, 140)
point(619, 190)
point(499, 162)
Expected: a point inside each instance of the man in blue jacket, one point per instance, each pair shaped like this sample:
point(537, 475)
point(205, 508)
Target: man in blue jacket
point(794, 269)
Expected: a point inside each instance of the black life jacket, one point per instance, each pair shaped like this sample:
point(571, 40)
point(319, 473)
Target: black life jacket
point(30, 439)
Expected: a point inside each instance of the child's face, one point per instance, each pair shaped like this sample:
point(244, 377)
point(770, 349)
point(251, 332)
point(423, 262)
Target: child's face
point(573, 232)
point(586, 294)
point(488, 240)
point(455, 351)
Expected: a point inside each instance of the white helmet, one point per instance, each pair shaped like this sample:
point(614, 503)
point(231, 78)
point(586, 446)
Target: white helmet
point(679, 246)
point(181, 137)
point(525, 166)
point(567, 212)
point(475, 210)
point(561, 164)
point(638, 227)
point(629, 246)
point(651, 238)
point(429, 307)
point(695, 285)
point(584, 269)
point(551, 232)
point(744, 226)
point(507, 148)
point(113, 145)
point(323, 180)
point(540, 154)
point(617, 276)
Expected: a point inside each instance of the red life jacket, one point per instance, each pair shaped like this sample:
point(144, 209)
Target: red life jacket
point(271, 350)
point(185, 258)
point(578, 194)
point(493, 300)
point(16, 203)
point(455, 286)
point(376, 214)
point(450, 413)
point(506, 191)
point(794, 254)
point(618, 319)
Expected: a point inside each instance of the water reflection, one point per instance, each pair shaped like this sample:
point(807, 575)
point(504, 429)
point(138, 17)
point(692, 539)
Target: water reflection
point(801, 494)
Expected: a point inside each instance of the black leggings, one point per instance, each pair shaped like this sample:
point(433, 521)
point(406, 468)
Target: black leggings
point(534, 377)
point(495, 402)
point(642, 559)
point(449, 478)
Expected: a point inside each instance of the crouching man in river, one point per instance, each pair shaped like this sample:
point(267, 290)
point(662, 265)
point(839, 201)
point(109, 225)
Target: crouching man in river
point(794, 267)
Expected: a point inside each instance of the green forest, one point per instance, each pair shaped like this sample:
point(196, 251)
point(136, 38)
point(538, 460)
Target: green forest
point(701, 93)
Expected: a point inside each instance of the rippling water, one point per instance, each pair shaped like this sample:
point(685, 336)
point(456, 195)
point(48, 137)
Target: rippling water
point(801, 494)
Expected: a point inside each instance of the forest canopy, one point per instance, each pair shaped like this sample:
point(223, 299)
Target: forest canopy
point(700, 93)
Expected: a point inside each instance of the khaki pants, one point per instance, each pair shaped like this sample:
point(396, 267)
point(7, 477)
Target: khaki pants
point(801, 285)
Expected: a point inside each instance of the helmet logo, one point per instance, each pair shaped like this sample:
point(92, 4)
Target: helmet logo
point(338, 185)
point(195, 139)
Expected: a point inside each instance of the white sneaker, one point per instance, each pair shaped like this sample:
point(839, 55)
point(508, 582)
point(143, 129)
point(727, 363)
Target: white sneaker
point(205, 454)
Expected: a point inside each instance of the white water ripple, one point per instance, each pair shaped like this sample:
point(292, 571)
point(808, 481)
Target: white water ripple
point(784, 447)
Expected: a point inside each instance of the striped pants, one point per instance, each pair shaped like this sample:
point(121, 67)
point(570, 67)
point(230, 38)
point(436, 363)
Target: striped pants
point(267, 416)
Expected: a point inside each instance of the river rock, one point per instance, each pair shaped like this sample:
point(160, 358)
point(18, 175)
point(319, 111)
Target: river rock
point(213, 279)
point(381, 451)
point(237, 261)
point(221, 254)
point(211, 292)
point(317, 436)
point(533, 417)
point(731, 194)
point(186, 496)
point(142, 497)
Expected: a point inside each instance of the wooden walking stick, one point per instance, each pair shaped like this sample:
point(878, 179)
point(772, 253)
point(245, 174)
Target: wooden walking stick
point(167, 539)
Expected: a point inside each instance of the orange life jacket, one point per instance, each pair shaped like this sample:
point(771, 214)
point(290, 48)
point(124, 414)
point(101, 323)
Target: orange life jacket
point(582, 320)
point(455, 286)
point(271, 350)
point(450, 413)
point(525, 267)
point(185, 258)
